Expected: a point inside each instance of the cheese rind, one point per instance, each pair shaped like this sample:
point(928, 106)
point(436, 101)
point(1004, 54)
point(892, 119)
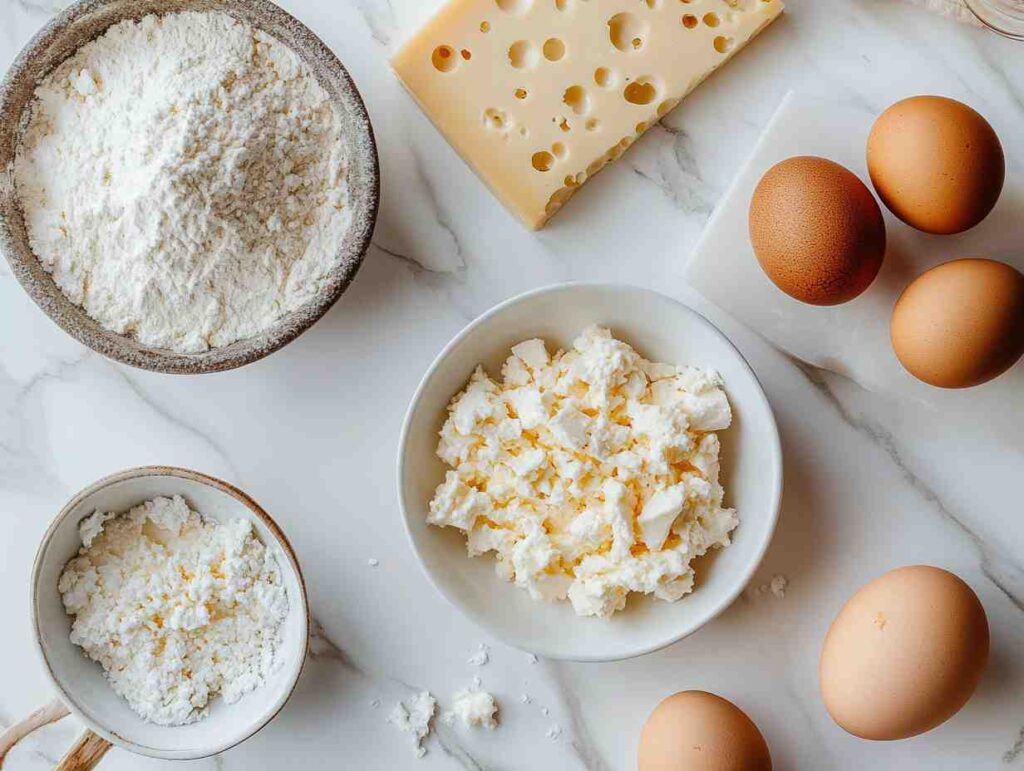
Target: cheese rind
point(537, 96)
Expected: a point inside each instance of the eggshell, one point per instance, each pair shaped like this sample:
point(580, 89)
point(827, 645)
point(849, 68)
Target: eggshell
point(904, 654)
point(698, 731)
point(936, 163)
point(961, 323)
point(816, 230)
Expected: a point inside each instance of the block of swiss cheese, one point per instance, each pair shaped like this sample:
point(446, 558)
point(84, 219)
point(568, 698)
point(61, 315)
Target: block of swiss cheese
point(538, 95)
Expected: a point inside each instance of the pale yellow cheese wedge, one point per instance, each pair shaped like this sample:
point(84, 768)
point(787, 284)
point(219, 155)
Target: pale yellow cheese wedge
point(538, 95)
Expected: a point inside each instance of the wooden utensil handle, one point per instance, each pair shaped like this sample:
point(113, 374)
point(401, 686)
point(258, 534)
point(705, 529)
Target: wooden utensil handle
point(86, 754)
point(45, 715)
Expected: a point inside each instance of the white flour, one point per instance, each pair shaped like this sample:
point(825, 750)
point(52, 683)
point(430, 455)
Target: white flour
point(183, 178)
point(174, 607)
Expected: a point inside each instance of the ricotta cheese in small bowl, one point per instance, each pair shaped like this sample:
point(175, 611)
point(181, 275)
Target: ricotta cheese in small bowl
point(170, 613)
point(177, 608)
point(609, 452)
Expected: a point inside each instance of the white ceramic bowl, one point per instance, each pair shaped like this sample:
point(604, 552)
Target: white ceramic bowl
point(663, 330)
point(80, 682)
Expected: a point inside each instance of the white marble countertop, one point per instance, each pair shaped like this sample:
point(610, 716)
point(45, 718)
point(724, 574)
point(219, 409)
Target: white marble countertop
point(871, 482)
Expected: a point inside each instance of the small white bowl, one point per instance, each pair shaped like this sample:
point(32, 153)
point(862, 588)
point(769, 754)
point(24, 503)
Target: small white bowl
point(79, 681)
point(663, 330)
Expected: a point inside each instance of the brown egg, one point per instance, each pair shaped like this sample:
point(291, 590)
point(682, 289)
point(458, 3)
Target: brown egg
point(936, 163)
point(961, 323)
point(904, 654)
point(698, 731)
point(816, 230)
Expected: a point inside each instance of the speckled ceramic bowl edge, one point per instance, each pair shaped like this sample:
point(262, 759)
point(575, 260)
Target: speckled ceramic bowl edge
point(258, 511)
point(83, 21)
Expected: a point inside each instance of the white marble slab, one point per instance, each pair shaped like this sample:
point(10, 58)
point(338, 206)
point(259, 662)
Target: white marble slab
point(873, 480)
point(853, 339)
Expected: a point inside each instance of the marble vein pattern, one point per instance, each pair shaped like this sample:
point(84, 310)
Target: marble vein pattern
point(1002, 569)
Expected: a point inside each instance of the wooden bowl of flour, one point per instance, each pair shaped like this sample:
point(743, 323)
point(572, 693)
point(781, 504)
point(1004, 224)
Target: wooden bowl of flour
point(88, 19)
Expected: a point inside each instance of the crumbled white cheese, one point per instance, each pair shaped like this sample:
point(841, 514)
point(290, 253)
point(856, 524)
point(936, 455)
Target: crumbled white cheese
point(176, 608)
point(778, 586)
point(480, 657)
point(591, 474)
point(413, 717)
point(474, 708)
point(185, 179)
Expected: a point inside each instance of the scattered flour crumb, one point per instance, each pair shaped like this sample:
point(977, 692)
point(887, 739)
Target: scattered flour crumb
point(474, 708)
point(376, 703)
point(554, 732)
point(413, 717)
point(532, 658)
point(477, 682)
point(525, 698)
point(545, 711)
point(779, 585)
point(776, 587)
point(373, 562)
point(481, 657)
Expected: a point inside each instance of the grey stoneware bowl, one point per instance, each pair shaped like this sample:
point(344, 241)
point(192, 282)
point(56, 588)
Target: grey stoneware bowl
point(87, 19)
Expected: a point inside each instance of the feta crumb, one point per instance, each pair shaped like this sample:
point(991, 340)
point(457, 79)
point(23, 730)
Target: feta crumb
point(778, 585)
point(481, 657)
point(532, 352)
point(475, 708)
point(659, 514)
point(413, 717)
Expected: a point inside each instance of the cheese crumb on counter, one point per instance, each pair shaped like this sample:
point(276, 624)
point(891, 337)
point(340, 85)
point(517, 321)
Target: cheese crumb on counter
point(413, 717)
point(176, 608)
point(481, 657)
point(590, 474)
point(474, 708)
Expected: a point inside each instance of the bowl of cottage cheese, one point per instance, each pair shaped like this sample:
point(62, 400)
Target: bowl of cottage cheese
point(590, 472)
point(170, 613)
point(191, 183)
